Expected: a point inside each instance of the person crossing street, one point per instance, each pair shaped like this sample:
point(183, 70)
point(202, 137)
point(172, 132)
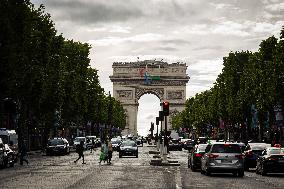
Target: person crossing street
point(80, 151)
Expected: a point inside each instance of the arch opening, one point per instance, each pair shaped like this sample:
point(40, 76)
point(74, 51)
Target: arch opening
point(148, 110)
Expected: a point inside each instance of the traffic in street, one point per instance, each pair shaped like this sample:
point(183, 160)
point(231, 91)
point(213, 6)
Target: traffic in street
point(60, 171)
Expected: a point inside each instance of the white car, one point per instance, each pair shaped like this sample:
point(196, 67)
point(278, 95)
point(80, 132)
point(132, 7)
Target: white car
point(78, 140)
point(90, 140)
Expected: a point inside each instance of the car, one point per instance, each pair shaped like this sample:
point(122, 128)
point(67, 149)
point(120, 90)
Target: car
point(252, 152)
point(223, 157)
point(78, 140)
point(90, 142)
point(7, 155)
point(139, 141)
point(128, 148)
point(115, 143)
point(175, 144)
point(194, 158)
point(202, 140)
point(57, 146)
point(242, 145)
point(270, 161)
point(189, 145)
point(2, 153)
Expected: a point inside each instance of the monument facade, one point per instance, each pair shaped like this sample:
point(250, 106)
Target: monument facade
point(131, 80)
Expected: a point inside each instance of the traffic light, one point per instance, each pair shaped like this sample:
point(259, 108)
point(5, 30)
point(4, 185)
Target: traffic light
point(166, 106)
point(152, 126)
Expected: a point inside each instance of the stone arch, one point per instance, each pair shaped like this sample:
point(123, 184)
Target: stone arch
point(159, 92)
point(131, 80)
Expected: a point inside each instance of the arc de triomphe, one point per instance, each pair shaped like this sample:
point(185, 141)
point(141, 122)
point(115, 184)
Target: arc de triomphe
point(131, 80)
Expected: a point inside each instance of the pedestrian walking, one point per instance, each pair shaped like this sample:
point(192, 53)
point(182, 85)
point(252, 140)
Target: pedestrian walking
point(110, 150)
point(80, 151)
point(23, 154)
point(93, 145)
point(104, 152)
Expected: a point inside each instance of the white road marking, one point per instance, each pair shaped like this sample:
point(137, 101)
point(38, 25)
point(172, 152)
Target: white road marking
point(178, 179)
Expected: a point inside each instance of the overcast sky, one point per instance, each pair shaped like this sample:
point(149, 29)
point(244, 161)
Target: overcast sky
point(198, 32)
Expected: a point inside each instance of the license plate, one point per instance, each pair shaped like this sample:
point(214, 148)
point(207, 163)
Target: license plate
point(226, 161)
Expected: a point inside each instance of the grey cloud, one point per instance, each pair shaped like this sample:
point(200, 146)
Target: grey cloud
point(166, 49)
point(94, 11)
point(175, 41)
point(84, 12)
point(214, 47)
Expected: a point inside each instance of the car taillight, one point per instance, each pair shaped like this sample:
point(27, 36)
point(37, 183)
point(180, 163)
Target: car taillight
point(198, 155)
point(212, 156)
point(239, 156)
point(272, 159)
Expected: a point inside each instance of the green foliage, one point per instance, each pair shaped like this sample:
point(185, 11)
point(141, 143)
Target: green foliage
point(247, 78)
point(46, 73)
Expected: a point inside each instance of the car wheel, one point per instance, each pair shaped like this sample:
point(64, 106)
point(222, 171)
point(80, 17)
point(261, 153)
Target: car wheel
point(207, 172)
point(263, 172)
point(136, 155)
point(5, 162)
point(188, 165)
point(241, 173)
point(120, 155)
point(246, 168)
point(11, 164)
point(193, 168)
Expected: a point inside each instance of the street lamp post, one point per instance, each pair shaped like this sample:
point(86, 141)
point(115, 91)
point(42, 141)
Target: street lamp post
point(109, 115)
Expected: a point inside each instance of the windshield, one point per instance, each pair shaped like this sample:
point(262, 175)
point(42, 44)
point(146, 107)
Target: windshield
point(115, 141)
point(226, 148)
point(276, 151)
point(129, 143)
point(55, 142)
point(202, 147)
point(80, 139)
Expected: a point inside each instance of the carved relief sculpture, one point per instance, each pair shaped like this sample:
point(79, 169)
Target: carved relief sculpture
point(174, 95)
point(125, 94)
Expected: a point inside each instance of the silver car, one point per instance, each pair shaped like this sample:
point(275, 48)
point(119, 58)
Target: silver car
point(223, 157)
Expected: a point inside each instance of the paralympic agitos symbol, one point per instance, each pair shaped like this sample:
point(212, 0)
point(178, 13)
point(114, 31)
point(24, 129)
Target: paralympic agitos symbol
point(147, 77)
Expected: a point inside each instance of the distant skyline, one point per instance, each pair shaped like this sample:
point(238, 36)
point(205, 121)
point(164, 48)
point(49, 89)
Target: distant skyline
point(199, 33)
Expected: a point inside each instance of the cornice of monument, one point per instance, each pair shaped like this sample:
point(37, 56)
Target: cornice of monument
point(149, 63)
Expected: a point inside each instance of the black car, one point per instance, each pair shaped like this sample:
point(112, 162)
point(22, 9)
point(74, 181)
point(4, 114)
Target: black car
point(57, 146)
point(270, 161)
point(252, 152)
point(139, 141)
point(189, 145)
point(194, 158)
point(128, 148)
point(175, 144)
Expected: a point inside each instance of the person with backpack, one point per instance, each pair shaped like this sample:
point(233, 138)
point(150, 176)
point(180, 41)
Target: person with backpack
point(80, 151)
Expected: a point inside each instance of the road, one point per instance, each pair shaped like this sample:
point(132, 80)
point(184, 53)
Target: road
point(61, 172)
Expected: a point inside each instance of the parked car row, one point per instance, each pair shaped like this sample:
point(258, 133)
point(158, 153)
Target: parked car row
point(235, 158)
